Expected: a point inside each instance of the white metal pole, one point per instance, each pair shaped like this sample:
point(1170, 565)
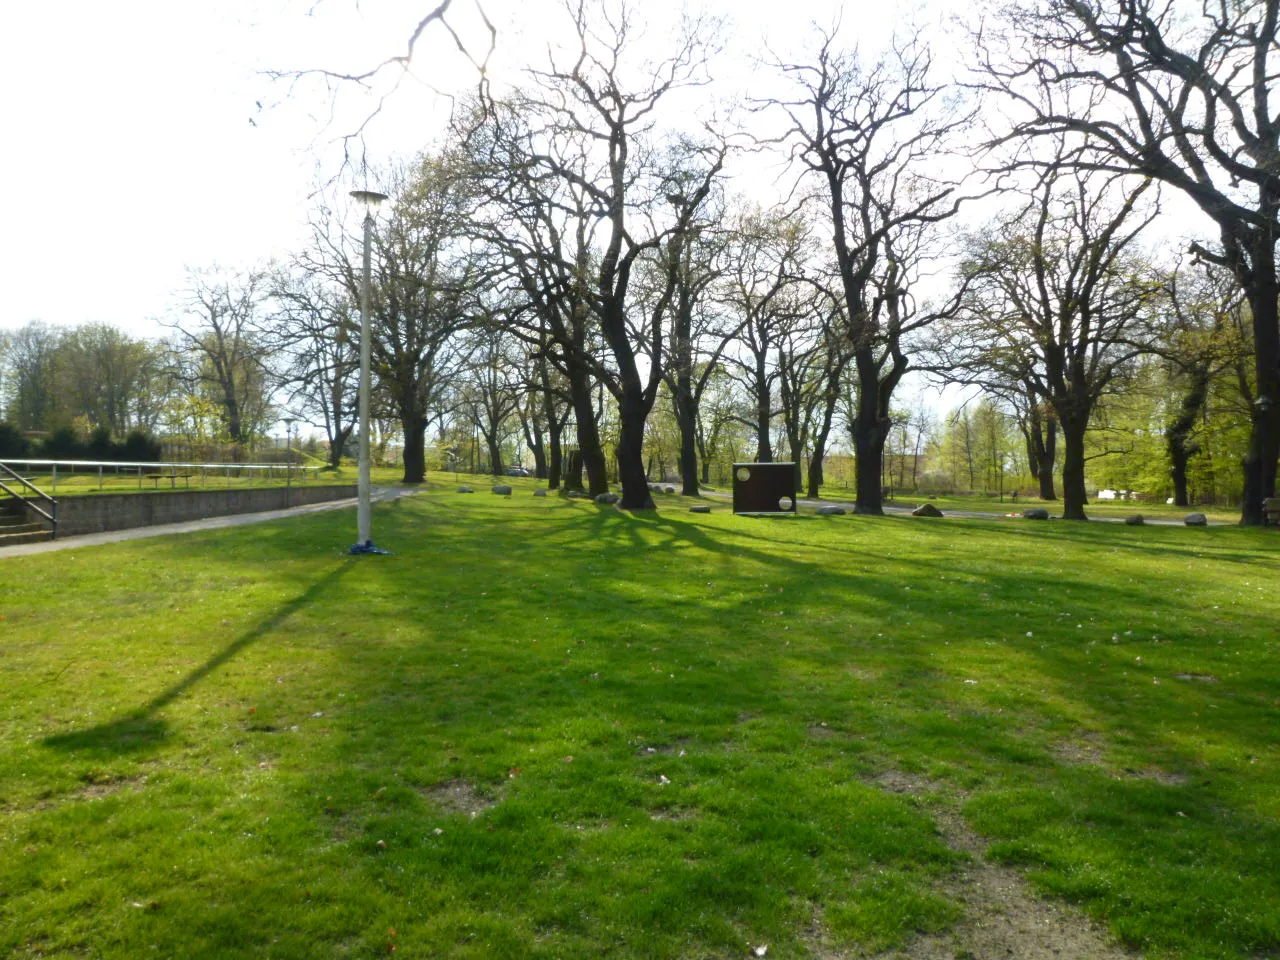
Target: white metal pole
point(364, 518)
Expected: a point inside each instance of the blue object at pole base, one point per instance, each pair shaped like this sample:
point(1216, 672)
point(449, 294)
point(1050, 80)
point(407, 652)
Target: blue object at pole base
point(368, 547)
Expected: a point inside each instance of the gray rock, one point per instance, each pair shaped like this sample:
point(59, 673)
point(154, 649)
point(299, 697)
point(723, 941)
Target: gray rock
point(539, 492)
point(700, 508)
point(926, 510)
point(577, 495)
point(830, 510)
point(465, 490)
point(668, 489)
point(1196, 520)
point(1134, 521)
point(608, 498)
point(1036, 513)
point(502, 490)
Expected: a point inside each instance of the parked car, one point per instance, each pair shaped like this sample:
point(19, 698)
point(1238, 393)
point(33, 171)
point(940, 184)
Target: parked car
point(517, 472)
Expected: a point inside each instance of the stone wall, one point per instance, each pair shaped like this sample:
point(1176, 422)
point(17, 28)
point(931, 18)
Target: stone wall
point(96, 513)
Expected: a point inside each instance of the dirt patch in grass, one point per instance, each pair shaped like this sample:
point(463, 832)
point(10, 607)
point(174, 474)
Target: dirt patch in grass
point(1084, 748)
point(459, 796)
point(676, 747)
point(95, 789)
point(1002, 916)
point(1166, 778)
point(900, 781)
point(673, 814)
point(106, 788)
point(1087, 749)
point(820, 731)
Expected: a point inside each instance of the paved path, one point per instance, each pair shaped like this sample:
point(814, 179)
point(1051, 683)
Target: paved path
point(211, 523)
point(1014, 510)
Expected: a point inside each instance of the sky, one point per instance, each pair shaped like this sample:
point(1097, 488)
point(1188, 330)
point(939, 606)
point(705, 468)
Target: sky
point(143, 138)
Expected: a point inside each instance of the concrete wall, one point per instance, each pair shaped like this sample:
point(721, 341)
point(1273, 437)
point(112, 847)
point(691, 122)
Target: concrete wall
point(96, 513)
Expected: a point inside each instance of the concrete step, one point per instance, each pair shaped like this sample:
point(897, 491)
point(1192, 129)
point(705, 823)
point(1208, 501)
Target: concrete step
point(8, 524)
point(38, 535)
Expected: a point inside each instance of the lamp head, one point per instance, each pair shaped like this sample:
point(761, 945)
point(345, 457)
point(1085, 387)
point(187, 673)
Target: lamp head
point(370, 198)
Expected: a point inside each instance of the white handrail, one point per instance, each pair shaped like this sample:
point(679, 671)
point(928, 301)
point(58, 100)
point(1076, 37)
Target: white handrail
point(136, 463)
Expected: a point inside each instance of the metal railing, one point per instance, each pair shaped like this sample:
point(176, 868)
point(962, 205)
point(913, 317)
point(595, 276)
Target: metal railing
point(173, 472)
point(51, 515)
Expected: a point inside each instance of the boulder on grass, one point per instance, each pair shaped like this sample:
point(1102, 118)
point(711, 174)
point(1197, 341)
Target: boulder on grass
point(1136, 520)
point(502, 490)
point(830, 510)
point(1035, 513)
point(539, 492)
point(607, 498)
point(1196, 520)
point(668, 489)
point(700, 508)
point(577, 495)
point(465, 490)
point(926, 510)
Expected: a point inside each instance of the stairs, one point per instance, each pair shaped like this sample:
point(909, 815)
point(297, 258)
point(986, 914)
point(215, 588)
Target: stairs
point(16, 526)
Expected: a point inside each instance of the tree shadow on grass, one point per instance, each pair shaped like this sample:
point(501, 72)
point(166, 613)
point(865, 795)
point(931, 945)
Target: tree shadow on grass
point(143, 728)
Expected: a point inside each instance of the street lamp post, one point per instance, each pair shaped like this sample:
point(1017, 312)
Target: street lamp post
point(288, 460)
point(364, 511)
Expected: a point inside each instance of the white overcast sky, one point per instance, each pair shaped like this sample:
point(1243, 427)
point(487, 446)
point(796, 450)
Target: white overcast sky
point(129, 151)
point(128, 148)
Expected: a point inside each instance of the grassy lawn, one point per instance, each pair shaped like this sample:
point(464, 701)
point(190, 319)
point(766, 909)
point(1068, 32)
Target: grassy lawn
point(549, 729)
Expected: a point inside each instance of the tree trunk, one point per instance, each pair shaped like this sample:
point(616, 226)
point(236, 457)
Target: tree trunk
point(337, 445)
point(630, 450)
point(815, 467)
point(702, 456)
point(686, 411)
point(1046, 456)
point(1073, 491)
point(831, 399)
point(1177, 435)
point(495, 454)
point(1264, 433)
point(870, 430)
point(764, 416)
point(584, 412)
point(555, 453)
point(415, 447)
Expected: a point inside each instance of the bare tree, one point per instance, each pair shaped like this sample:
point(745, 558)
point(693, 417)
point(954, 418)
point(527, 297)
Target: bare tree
point(873, 136)
point(426, 281)
point(1184, 97)
point(316, 338)
point(220, 327)
point(494, 388)
point(1058, 299)
point(590, 118)
point(761, 288)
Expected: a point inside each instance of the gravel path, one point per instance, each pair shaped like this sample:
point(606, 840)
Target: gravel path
point(969, 514)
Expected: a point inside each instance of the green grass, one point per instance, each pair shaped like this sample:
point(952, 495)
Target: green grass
point(232, 744)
